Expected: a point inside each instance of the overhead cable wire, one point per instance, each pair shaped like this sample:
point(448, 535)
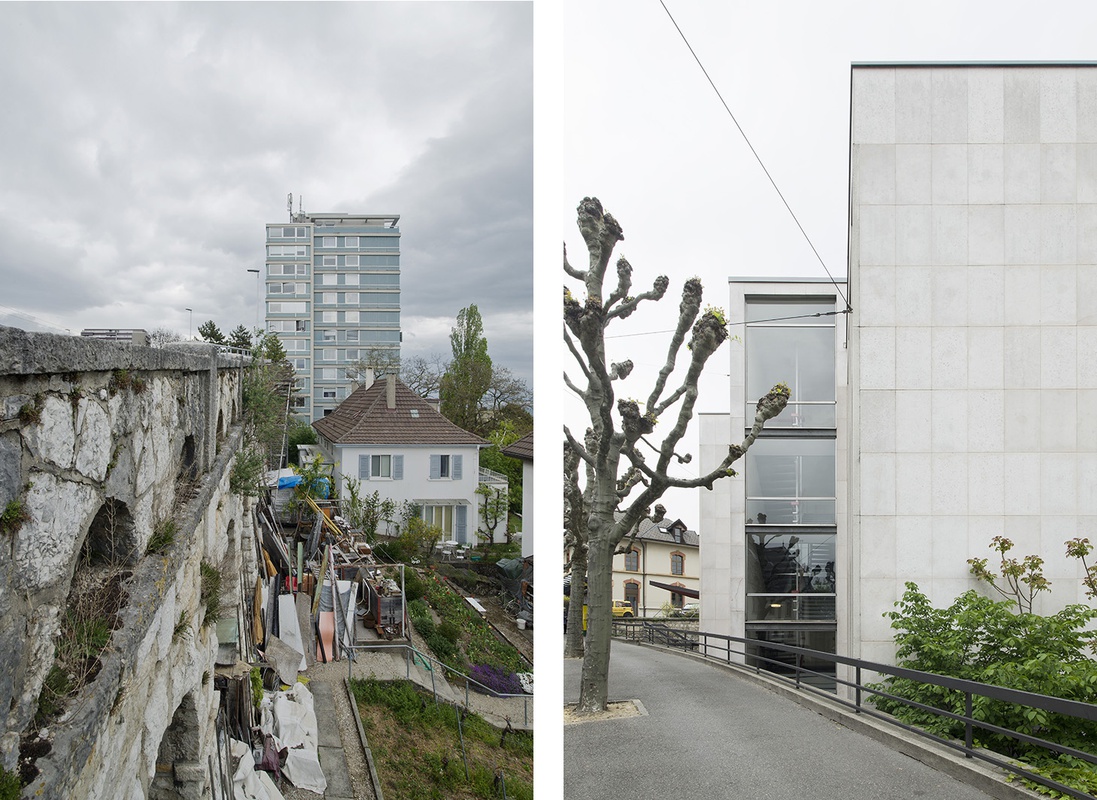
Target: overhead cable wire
point(755, 152)
point(741, 322)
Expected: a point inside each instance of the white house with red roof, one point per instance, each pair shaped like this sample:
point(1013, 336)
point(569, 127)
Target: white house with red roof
point(393, 441)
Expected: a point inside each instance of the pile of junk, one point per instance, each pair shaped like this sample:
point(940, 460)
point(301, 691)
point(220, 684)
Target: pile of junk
point(320, 592)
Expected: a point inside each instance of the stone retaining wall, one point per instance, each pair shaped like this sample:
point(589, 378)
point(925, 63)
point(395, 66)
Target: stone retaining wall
point(103, 445)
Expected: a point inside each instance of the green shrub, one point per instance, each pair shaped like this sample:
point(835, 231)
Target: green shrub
point(424, 626)
point(414, 587)
point(449, 631)
point(983, 640)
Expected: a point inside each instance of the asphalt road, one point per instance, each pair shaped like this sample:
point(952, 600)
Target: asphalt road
point(709, 734)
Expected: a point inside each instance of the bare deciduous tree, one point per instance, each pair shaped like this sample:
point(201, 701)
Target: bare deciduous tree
point(622, 483)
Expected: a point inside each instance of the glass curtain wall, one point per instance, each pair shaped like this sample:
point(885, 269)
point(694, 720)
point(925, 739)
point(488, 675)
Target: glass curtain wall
point(790, 483)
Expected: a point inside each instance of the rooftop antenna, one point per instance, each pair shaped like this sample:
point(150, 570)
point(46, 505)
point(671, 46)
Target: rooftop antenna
point(289, 205)
point(300, 200)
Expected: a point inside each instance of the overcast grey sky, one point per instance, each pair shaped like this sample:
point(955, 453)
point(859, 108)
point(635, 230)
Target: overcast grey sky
point(645, 133)
point(146, 144)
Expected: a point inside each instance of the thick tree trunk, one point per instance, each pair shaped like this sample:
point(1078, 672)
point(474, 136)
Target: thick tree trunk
point(593, 689)
point(573, 644)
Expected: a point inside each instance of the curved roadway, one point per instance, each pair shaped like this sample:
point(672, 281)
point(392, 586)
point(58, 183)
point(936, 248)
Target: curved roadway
point(710, 734)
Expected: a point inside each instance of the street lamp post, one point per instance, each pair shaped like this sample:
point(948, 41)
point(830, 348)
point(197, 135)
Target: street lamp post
point(256, 297)
point(190, 323)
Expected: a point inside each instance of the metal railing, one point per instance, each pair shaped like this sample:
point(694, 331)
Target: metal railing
point(722, 648)
point(431, 665)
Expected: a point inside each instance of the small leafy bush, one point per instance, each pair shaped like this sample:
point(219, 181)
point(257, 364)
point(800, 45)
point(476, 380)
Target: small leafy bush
point(450, 631)
point(414, 588)
point(14, 516)
point(983, 640)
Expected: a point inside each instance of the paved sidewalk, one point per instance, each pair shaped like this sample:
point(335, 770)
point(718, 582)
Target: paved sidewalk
point(709, 733)
point(332, 758)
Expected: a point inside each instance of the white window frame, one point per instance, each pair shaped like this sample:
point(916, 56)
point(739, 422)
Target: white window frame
point(352, 261)
point(329, 241)
point(350, 241)
point(329, 261)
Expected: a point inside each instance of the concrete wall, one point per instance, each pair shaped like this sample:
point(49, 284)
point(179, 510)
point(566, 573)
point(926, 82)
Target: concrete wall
point(149, 435)
point(973, 272)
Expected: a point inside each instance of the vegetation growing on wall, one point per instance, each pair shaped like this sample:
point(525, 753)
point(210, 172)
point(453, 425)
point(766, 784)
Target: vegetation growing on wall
point(210, 593)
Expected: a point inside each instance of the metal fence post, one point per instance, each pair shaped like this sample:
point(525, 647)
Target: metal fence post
point(857, 691)
point(967, 725)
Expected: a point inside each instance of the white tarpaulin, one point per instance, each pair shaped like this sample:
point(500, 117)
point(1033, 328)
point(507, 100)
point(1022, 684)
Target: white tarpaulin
point(248, 782)
point(290, 718)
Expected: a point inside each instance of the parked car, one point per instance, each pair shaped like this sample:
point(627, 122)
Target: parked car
point(622, 608)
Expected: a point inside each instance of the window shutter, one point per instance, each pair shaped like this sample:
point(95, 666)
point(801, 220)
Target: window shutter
point(461, 524)
point(435, 467)
point(363, 467)
point(455, 467)
point(397, 468)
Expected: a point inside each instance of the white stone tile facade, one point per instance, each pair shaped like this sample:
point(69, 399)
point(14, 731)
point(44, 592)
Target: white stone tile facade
point(966, 408)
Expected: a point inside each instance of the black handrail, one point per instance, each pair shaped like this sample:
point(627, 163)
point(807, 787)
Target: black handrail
point(699, 642)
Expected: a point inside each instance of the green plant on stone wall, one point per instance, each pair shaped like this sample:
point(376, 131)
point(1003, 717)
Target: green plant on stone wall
point(210, 593)
point(14, 516)
point(30, 413)
point(10, 785)
point(163, 536)
point(182, 627)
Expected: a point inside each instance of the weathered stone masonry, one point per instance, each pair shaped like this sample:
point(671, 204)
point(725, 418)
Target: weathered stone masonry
point(102, 443)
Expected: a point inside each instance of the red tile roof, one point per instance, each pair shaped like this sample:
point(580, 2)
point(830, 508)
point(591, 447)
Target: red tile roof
point(520, 448)
point(365, 418)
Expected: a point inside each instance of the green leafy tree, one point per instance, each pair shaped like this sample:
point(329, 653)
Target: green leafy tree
point(268, 386)
point(209, 332)
point(300, 432)
point(469, 374)
point(239, 337)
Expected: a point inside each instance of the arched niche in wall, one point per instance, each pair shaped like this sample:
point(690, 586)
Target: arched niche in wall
point(180, 747)
point(111, 539)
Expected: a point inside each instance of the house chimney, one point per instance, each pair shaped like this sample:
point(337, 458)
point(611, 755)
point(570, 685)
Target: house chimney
point(369, 376)
point(390, 391)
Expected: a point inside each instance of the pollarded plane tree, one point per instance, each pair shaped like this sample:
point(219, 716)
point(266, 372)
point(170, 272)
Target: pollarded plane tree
point(627, 469)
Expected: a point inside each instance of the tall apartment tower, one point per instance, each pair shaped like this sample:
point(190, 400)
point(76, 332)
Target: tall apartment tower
point(333, 297)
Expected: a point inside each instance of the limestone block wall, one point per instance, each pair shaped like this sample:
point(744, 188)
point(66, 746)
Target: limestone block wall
point(104, 446)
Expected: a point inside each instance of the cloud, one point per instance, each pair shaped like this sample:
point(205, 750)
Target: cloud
point(147, 145)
